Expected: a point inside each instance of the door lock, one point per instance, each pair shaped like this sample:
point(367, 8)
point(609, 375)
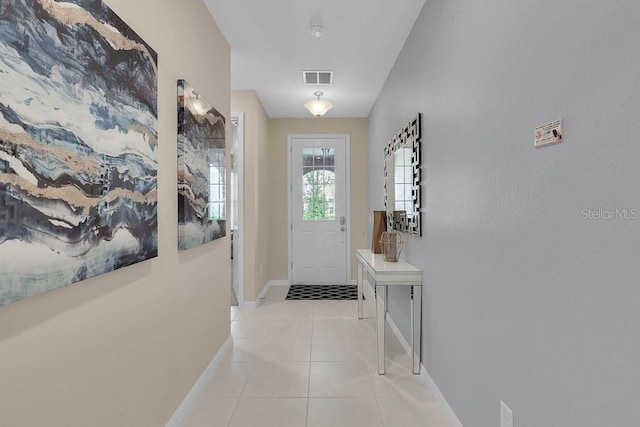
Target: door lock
point(342, 221)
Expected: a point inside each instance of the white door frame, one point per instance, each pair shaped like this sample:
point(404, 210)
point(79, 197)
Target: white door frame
point(239, 116)
point(347, 139)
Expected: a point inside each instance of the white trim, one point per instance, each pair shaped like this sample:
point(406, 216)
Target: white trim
point(367, 290)
point(425, 377)
point(178, 416)
point(347, 138)
point(284, 282)
point(348, 207)
point(403, 342)
point(448, 410)
point(270, 283)
point(240, 162)
point(262, 293)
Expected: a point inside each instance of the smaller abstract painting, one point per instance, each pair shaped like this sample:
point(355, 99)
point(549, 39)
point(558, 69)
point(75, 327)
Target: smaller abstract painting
point(201, 170)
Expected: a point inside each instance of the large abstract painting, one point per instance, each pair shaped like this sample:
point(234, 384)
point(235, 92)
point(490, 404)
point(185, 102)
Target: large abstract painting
point(78, 145)
point(201, 170)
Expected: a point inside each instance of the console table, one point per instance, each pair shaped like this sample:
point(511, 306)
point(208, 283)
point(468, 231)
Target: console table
point(385, 274)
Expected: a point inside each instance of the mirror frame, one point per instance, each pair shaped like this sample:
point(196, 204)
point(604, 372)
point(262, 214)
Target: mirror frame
point(408, 137)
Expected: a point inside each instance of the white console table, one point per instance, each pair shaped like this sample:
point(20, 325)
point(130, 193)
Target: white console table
point(384, 274)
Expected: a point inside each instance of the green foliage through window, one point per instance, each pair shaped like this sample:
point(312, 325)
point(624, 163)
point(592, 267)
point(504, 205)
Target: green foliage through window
point(319, 195)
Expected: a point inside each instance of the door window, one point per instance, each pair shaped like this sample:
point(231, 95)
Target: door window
point(318, 184)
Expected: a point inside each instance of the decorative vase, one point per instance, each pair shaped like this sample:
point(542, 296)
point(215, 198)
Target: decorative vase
point(391, 243)
point(379, 227)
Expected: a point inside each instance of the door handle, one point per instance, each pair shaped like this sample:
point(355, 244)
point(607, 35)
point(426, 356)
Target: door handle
point(342, 221)
point(341, 228)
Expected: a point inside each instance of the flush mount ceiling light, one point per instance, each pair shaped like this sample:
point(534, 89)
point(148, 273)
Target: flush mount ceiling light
point(316, 30)
point(318, 107)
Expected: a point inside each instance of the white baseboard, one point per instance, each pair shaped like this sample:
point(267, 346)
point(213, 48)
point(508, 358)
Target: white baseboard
point(185, 406)
point(270, 283)
point(283, 282)
point(403, 342)
point(448, 410)
point(367, 290)
point(424, 374)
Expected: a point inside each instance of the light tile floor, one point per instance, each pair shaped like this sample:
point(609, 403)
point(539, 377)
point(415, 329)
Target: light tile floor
point(311, 364)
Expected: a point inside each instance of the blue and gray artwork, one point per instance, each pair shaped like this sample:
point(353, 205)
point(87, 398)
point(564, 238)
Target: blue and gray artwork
point(78, 145)
point(201, 170)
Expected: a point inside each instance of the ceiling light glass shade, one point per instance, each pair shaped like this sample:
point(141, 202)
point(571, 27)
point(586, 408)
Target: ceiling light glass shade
point(199, 106)
point(318, 107)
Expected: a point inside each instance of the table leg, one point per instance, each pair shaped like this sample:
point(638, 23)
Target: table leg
point(386, 299)
point(380, 315)
point(416, 325)
point(360, 315)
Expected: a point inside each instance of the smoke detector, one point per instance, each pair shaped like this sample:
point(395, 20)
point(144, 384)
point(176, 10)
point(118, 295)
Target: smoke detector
point(316, 30)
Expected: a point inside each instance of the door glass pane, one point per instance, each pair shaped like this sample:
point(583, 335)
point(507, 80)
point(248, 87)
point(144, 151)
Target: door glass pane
point(318, 184)
point(307, 157)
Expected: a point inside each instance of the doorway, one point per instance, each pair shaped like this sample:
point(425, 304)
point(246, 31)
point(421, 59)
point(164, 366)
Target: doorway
point(236, 208)
point(319, 217)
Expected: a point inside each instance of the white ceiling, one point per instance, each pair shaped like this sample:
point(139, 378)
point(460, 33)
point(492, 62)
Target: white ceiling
point(271, 45)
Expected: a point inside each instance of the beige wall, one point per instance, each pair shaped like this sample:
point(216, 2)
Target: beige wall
point(256, 191)
point(265, 187)
point(279, 129)
point(124, 348)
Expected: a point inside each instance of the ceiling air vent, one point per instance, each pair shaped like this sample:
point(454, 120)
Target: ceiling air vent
point(317, 77)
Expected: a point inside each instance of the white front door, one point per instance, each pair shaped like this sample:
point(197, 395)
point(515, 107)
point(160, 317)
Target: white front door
point(318, 209)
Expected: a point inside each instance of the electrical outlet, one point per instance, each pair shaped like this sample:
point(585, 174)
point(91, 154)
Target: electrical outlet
point(506, 415)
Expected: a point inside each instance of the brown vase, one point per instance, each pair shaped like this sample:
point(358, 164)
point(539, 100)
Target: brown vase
point(379, 227)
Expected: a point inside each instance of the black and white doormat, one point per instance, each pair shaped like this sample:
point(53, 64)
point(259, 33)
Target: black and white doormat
point(323, 292)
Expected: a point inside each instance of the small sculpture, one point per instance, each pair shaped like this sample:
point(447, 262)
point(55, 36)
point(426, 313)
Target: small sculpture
point(391, 243)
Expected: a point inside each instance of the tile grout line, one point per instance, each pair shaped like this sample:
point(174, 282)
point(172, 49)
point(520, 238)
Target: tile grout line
point(234, 412)
point(313, 321)
point(244, 386)
point(369, 377)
